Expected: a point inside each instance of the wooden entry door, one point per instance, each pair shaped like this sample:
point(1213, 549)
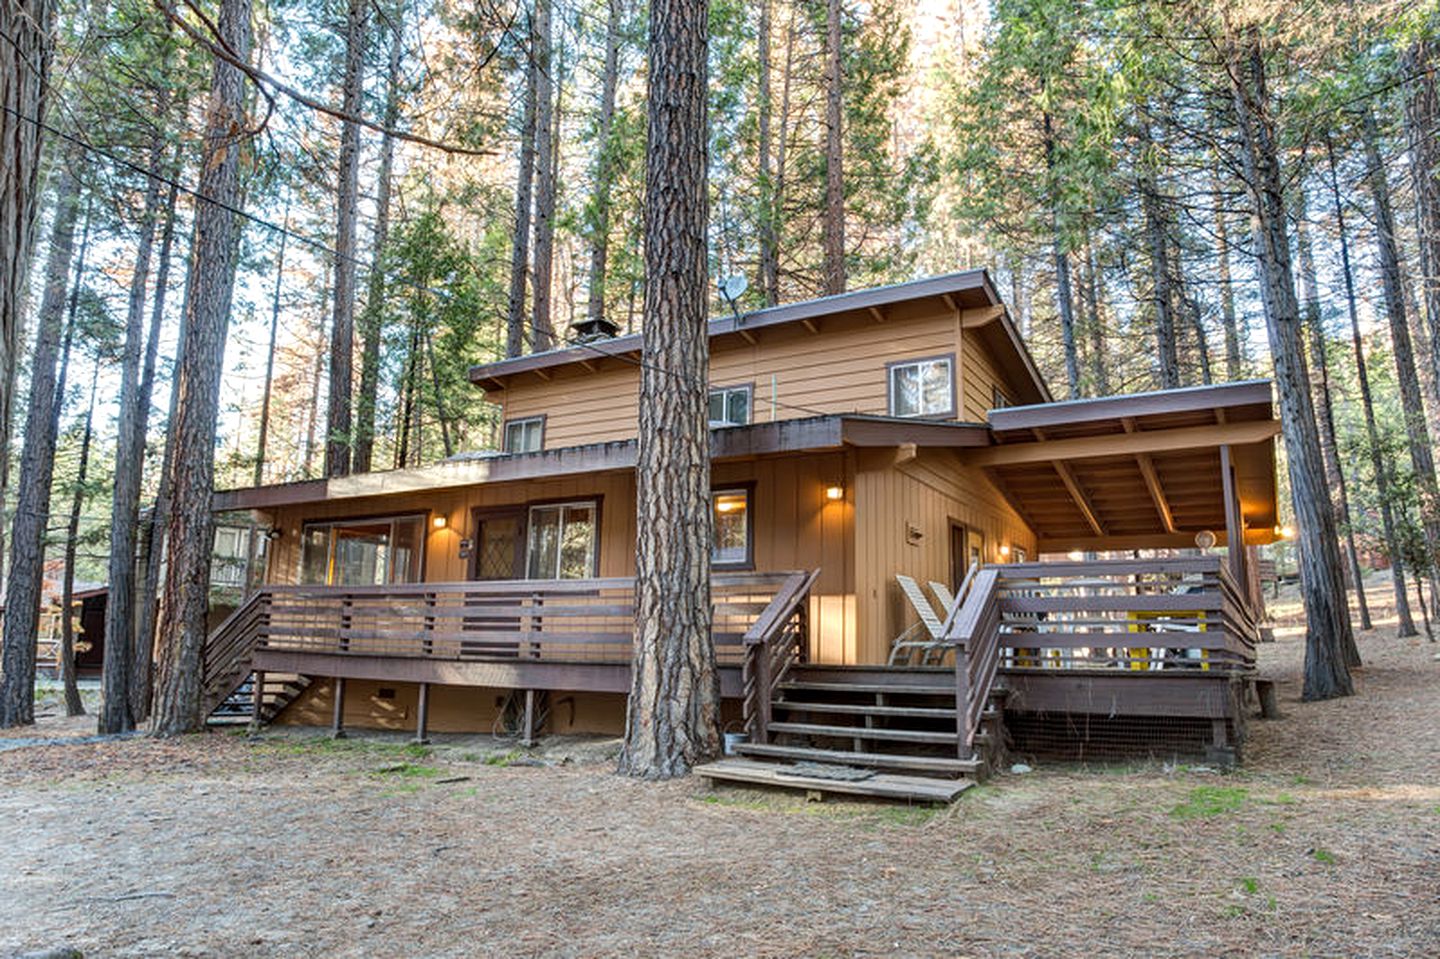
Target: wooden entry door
point(967, 548)
point(499, 544)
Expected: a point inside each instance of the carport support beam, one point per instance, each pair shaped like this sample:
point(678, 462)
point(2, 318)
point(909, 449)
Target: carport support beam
point(528, 739)
point(257, 698)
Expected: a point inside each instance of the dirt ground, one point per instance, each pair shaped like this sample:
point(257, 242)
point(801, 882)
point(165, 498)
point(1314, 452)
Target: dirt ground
point(1325, 843)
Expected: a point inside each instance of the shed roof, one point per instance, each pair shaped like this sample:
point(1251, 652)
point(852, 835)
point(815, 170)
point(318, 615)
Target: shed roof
point(1138, 471)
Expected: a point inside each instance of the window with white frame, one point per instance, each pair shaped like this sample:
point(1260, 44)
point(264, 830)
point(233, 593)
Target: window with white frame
point(730, 405)
point(563, 541)
point(731, 511)
point(525, 435)
point(1000, 400)
point(923, 387)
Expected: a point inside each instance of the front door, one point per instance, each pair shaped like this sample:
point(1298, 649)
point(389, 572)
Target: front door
point(967, 548)
point(499, 544)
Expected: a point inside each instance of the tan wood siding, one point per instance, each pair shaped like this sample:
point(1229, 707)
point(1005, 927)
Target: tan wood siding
point(928, 493)
point(841, 369)
point(981, 378)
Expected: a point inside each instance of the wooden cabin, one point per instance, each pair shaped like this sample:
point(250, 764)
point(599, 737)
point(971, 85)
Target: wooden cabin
point(902, 431)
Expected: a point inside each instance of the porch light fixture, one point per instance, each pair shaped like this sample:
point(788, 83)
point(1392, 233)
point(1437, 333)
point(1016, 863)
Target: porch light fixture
point(834, 493)
point(1205, 539)
point(1285, 532)
point(1075, 555)
point(439, 522)
point(1004, 549)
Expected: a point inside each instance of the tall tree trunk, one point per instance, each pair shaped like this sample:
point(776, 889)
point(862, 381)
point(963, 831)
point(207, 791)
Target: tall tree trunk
point(524, 188)
point(147, 566)
point(1422, 119)
point(117, 676)
point(263, 439)
point(339, 438)
point(1187, 302)
point(73, 704)
point(1064, 299)
point(672, 720)
point(1234, 350)
point(782, 148)
point(191, 533)
point(1162, 295)
point(834, 224)
point(769, 254)
point(372, 320)
point(66, 660)
point(317, 372)
point(25, 55)
point(37, 464)
point(1093, 297)
point(1417, 431)
point(605, 164)
point(1324, 410)
point(547, 151)
point(1328, 633)
point(440, 414)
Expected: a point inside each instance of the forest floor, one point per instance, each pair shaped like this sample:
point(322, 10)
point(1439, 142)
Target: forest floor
point(1325, 843)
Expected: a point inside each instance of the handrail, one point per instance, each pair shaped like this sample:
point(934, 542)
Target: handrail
point(773, 644)
point(974, 632)
point(228, 649)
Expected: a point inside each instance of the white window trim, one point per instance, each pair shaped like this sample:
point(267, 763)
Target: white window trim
point(892, 369)
point(521, 423)
point(748, 389)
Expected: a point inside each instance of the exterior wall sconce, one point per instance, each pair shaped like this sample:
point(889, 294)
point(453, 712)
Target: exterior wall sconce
point(439, 522)
point(1285, 532)
point(1005, 550)
point(913, 534)
point(273, 533)
point(1075, 555)
point(835, 493)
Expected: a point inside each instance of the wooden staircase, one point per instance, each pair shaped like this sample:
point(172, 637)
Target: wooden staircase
point(922, 733)
point(229, 683)
point(277, 690)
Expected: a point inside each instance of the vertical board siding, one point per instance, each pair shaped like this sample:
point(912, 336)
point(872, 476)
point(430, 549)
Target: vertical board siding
point(928, 492)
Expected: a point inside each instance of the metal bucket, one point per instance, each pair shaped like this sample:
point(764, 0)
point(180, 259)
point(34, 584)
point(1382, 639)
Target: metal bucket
point(733, 740)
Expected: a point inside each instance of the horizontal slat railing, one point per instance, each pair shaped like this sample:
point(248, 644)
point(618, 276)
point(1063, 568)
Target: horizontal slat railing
point(1132, 614)
point(774, 643)
point(590, 620)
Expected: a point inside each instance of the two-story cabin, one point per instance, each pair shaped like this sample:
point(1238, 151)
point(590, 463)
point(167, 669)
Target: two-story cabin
point(888, 465)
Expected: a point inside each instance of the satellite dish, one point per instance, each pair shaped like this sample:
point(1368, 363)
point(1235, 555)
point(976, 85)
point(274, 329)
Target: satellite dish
point(1204, 539)
point(733, 287)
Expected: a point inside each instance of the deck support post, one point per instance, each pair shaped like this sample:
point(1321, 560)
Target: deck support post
point(257, 699)
point(527, 738)
point(962, 702)
point(422, 716)
point(337, 720)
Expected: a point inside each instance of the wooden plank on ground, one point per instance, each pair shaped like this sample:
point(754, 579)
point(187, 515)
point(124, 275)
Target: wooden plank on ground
point(881, 785)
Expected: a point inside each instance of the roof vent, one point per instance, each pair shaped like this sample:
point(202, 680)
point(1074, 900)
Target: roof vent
point(599, 328)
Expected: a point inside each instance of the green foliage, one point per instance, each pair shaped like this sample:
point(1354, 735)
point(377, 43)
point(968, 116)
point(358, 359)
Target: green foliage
point(1206, 802)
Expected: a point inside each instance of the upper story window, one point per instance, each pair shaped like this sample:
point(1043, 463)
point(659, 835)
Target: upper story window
point(369, 552)
point(923, 387)
point(730, 405)
point(524, 436)
point(732, 527)
point(1000, 400)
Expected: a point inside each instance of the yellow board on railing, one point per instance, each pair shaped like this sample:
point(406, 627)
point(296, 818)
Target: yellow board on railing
point(1139, 657)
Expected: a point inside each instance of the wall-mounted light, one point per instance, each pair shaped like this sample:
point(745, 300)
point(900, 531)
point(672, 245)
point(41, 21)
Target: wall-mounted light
point(1285, 532)
point(1075, 555)
point(835, 493)
point(439, 522)
point(1004, 549)
point(1205, 539)
point(273, 533)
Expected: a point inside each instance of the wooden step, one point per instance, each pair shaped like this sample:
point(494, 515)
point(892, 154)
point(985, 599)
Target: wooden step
point(931, 764)
point(865, 732)
point(869, 688)
point(881, 785)
point(865, 709)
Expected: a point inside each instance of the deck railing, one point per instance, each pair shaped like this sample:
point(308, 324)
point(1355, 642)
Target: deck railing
point(583, 620)
point(775, 641)
point(973, 630)
point(1127, 614)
